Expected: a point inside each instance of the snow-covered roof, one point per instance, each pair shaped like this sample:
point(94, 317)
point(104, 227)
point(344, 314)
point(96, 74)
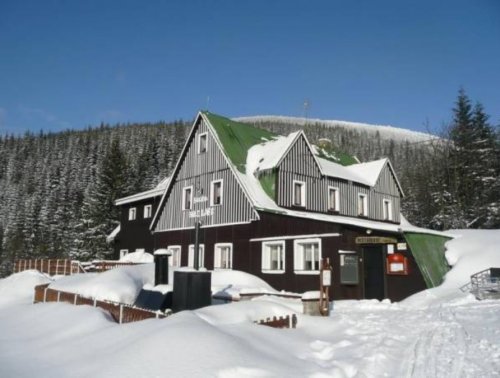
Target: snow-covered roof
point(271, 152)
point(332, 169)
point(156, 192)
point(113, 234)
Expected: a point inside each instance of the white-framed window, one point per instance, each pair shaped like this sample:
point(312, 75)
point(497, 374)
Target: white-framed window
point(187, 198)
point(273, 257)
point(201, 256)
point(148, 210)
point(223, 256)
point(175, 251)
point(123, 252)
point(299, 193)
point(333, 198)
point(387, 209)
point(362, 205)
point(132, 213)
point(202, 143)
point(216, 191)
point(307, 256)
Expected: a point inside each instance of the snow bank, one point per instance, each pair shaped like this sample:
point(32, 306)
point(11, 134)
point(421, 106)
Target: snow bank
point(469, 252)
point(120, 284)
point(232, 283)
point(19, 287)
point(138, 257)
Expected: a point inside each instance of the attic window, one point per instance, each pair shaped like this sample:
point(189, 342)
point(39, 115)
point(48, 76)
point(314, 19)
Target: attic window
point(299, 193)
point(202, 143)
point(216, 193)
point(362, 205)
point(187, 198)
point(387, 209)
point(333, 198)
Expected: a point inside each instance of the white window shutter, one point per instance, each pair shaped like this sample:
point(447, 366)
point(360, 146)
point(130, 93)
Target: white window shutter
point(265, 263)
point(191, 257)
point(298, 260)
point(217, 257)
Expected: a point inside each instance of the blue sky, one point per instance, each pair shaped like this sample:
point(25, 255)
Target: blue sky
point(70, 64)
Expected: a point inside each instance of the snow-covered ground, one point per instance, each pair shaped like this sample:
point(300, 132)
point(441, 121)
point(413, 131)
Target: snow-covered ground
point(448, 336)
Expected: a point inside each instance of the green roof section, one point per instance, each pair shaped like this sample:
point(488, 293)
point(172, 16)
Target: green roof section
point(268, 183)
point(237, 138)
point(428, 251)
point(335, 155)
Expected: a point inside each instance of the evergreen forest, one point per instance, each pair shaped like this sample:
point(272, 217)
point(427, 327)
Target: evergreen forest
point(57, 189)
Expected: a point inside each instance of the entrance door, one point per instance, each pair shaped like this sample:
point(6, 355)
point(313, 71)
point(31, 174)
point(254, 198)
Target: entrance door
point(373, 262)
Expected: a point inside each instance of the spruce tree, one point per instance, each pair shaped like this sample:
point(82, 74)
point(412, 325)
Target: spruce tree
point(99, 211)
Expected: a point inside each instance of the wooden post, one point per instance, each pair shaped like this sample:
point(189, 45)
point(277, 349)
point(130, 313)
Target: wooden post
point(325, 281)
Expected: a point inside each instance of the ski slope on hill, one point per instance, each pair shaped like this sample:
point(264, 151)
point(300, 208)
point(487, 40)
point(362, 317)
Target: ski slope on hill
point(385, 131)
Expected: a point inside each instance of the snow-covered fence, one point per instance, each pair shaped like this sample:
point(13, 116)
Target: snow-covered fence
point(103, 266)
point(121, 313)
point(51, 267)
point(279, 322)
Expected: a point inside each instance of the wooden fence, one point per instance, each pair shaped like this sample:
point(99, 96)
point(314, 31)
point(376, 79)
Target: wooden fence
point(103, 266)
point(121, 313)
point(67, 267)
point(50, 266)
point(281, 322)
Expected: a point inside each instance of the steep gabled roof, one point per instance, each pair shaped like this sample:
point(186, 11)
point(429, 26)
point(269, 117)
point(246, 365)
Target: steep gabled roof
point(248, 149)
point(237, 138)
point(371, 171)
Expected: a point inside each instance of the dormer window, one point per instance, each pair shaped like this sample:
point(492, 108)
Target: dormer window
point(333, 199)
point(387, 209)
point(202, 143)
point(299, 193)
point(362, 205)
point(132, 212)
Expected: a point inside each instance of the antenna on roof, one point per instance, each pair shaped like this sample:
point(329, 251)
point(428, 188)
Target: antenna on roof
point(307, 103)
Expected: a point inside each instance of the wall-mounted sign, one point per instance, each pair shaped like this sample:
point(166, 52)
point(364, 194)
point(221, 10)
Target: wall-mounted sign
point(208, 212)
point(200, 199)
point(402, 247)
point(390, 249)
point(375, 240)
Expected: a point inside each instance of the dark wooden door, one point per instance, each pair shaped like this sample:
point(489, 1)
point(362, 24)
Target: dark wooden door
point(373, 262)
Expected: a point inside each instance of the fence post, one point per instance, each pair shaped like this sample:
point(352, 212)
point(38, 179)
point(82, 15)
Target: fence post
point(58, 295)
point(95, 302)
point(121, 314)
point(45, 294)
point(74, 299)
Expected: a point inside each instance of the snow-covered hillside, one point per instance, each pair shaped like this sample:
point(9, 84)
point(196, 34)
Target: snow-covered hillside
point(385, 131)
point(450, 336)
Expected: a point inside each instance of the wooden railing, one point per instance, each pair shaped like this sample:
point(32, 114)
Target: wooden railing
point(279, 322)
point(50, 266)
point(121, 313)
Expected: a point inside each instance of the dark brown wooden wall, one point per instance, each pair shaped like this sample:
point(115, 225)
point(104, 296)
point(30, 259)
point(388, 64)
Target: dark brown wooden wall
point(135, 234)
point(247, 254)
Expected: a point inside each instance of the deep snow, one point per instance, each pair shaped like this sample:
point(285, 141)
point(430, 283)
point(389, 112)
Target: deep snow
point(450, 336)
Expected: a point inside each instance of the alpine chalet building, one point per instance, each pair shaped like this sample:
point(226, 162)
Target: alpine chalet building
point(274, 206)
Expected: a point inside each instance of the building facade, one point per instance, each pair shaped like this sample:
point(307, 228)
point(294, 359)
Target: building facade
point(274, 206)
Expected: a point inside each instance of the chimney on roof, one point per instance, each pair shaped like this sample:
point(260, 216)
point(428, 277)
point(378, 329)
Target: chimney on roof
point(324, 143)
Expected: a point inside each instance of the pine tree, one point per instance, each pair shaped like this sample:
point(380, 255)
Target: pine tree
point(99, 212)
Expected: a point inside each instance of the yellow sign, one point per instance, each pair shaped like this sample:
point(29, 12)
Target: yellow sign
point(375, 240)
